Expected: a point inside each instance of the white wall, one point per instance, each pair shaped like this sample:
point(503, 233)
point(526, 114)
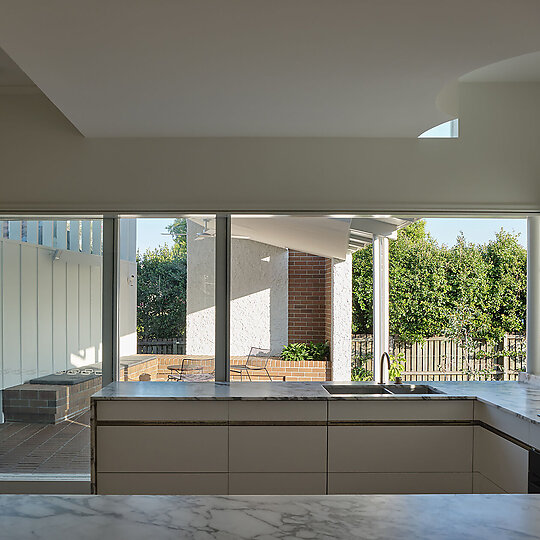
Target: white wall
point(42, 156)
point(341, 318)
point(50, 311)
point(259, 301)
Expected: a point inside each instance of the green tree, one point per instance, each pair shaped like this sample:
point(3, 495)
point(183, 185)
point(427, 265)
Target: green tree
point(178, 230)
point(417, 285)
point(469, 316)
point(161, 293)
point(507, 263)
point(468, 291)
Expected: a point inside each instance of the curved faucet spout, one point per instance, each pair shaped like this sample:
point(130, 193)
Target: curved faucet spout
point(383, 356)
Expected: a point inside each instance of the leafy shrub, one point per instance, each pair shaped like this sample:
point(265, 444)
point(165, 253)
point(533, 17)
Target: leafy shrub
point(360, 371)
point(295, 352)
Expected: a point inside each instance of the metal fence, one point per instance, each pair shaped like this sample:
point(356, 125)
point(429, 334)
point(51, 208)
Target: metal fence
point(162, 346)
point(445, 359)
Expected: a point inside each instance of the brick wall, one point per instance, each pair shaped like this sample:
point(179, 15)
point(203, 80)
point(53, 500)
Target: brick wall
point(292, 371)
point(307, 297)
point(47, 403)
point(328, 300)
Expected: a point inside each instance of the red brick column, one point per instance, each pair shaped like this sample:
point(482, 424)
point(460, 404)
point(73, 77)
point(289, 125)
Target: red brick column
point(308, 297)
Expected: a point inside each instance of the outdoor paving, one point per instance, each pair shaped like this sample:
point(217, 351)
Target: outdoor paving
point(46, 448)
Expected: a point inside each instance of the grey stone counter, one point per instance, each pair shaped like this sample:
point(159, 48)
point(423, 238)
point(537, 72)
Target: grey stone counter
point(521, 399)
point(138, 517)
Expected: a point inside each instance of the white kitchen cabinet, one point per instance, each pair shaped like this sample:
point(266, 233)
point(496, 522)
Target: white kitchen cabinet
point(394, 410)
point(161, 449)
point(398, 483)
point(162, 411)
point(501, 461)
point(294, 449)
point(163, 483)
point(398, 449)
point(502, 420)
point(278, 411)
point(400, 459)
point(277, 483)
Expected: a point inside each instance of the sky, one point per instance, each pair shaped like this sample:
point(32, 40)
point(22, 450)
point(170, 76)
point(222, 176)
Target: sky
point(477, 230)
point(444, 230)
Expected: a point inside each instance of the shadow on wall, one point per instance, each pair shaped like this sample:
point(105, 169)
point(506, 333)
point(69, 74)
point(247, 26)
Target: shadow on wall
point(259, 301)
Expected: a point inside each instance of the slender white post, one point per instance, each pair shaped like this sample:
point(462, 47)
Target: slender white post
point(533, 295)
point(380, 307)
point(341, 319)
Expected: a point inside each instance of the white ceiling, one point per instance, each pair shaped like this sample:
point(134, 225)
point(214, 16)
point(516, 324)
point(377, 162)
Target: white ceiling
point(134, 68)
point(524, 68)
point(11, 75)
point(319, 235)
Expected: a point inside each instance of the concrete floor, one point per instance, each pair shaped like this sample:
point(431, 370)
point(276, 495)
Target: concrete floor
point(46, 448)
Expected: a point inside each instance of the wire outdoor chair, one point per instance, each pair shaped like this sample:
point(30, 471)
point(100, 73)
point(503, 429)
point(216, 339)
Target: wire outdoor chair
point(192, 370)
point(257, 360)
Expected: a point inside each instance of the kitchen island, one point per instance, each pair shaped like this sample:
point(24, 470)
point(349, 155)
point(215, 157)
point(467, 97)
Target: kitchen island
point(298, 438)
point(87, 517)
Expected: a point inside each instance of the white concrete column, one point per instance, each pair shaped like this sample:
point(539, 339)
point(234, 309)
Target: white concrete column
point(533, 295)
point(380, 307)
point(341, 300)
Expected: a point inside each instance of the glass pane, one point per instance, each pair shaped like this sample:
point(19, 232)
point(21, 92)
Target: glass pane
point(167, 306)
point(50, 317)
point(282, 297)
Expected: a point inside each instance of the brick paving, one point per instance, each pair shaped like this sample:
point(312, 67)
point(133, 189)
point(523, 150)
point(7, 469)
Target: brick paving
point(46, 448)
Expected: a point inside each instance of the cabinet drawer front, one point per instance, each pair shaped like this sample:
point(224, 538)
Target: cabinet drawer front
point(161, 449)
point(277, 483)
point(502, 462)
point(352, 411)
point(162, 483)
point(534, 436)
point(502, 420)
point(400, 448)
point(481, 484)
point(404, 483)
point(277, 411)
point(148, 411)
point(277, 448)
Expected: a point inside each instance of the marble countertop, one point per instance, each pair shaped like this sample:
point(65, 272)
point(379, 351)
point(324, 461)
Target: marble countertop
point(521, 399)
point(137, 517)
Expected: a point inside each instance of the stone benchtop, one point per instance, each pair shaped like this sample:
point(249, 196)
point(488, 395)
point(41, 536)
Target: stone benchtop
point(520, 399)
point(444, 517)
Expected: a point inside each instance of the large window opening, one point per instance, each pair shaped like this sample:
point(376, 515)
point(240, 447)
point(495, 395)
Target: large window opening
point(167, 299)
point(50, 343)
point(457, 301)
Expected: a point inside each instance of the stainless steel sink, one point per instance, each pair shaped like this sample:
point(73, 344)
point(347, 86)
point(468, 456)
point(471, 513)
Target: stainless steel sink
point(411, 389)
point(379, 389)
point(345, 389)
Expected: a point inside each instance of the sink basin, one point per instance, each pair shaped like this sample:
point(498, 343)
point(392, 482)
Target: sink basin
point(379, 389)
point(411, 389)
point(345, 389)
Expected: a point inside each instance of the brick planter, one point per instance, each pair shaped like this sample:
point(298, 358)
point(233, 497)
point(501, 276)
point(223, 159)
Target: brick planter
point(47, 403)
point(292, 371)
